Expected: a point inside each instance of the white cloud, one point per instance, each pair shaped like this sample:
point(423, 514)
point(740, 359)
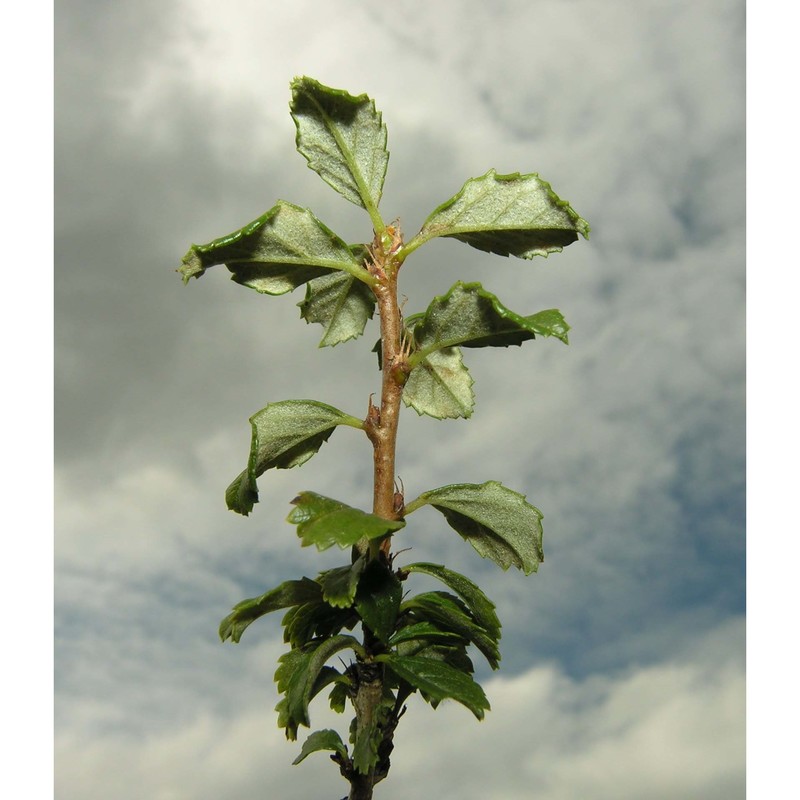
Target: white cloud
point(669, 731)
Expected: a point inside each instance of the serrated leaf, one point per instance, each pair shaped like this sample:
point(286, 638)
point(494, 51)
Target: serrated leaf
point(448, 613)
point(343, 139)
point(440, 386)
point(300, 687)
point(284, 435)
point(341, 304)
point(378, 599)
point(478, 603)
point(317, 619)
point(498, 522)
point(289, 593)
point(327, 739)
point(438, 680)
point(470, 316)
point(514, 214)
point(323, 522)
point(282, 249)
point(423, 633)
point(339, 584)
point(338, 696)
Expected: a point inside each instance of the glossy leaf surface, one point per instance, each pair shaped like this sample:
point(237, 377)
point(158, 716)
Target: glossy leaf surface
point(448, 613)
point(290, 593)
point(327, 739)
point(343, 139)
point(478, 603)
point(324, 522)
point(301, 684)
point(284, 435)
point(341, 304)
point(438, 680)
point(440, 386)
point(515, 214)
point(339, 585)
point(277, 252)
point(469, 316)
point(378, 599)
point(498, 522)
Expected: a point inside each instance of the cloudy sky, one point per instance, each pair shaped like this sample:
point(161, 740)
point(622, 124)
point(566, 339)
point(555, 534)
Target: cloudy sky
point(623, 658)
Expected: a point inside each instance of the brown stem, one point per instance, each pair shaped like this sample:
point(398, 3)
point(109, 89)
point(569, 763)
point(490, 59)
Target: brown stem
point(381, 428)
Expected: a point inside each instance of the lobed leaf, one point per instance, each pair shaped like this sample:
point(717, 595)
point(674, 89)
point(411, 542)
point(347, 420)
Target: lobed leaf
point(496, 521)
point(514, 214)
point(327, 739)
point(281, 250)
point(440, 386)
point(438, 680)
point(289, 593)
point(339, 585)
point(323, 522)
point(341, 304)
point(284, 435)
point(343, 138)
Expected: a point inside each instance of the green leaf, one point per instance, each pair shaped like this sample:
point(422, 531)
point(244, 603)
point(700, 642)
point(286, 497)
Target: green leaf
point(338, 696)
point(341, 304)
point(495, 520)
point(448, 613)
point(378, 599)
point(343, 139)
point(478, 603)
point(339, 585)
point(327, 739)
point(316, 619)
point(290, 593)
point(300, 687)
point(277, 252)
point(518, 215)
point(423, 633)
point(440, 386)
point(438, 680)
point(285, 435)
point(324, 522)
point(469, 316)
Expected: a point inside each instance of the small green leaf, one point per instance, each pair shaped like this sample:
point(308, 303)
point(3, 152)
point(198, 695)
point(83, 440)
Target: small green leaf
point(378, 599)
point(339, 585)
point(477, 602)
point(341, 304)
point(495, 520)
point(300, 687)
point(448, 613)
point(343, 138)
point(438, 680)
point(518, 215)
point(316, 619)
point(285, 435)
point(440, 386)
point(277, 252)
point(327, 739)
point(338, 696)
point(290, 593)
point(324, 522)
point(423, 632)
point(469, 316)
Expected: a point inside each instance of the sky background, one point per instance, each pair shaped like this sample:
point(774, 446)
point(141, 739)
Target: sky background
point(623, 658)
